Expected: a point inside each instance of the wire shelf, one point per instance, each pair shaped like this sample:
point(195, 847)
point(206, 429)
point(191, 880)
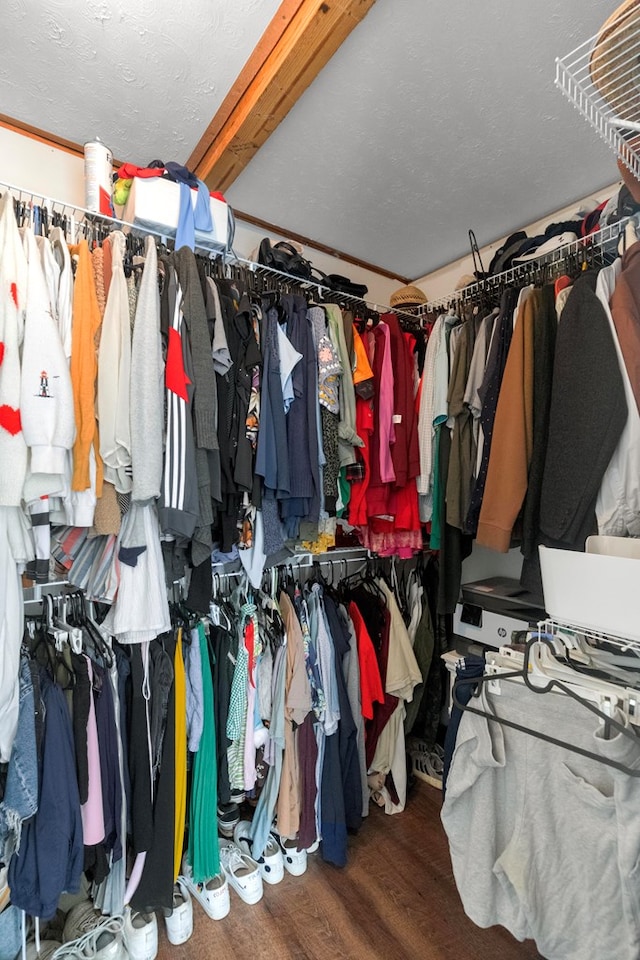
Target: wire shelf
point(573, 632)
point(600, 245)
point(83, 222)
point(601, 78)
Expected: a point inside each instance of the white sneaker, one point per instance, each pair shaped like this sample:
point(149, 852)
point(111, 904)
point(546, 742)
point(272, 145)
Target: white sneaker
point(104, 942)
point(271, 863)
point(179, 922)
point(295, 861)
point(212, 895)
point(242, 872)
point(140, 934)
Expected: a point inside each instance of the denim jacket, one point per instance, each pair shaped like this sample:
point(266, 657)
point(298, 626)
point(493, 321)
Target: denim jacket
point(20, 799)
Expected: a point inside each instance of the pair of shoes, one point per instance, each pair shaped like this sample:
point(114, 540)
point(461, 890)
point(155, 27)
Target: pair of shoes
point(179, 920)
point(105, 941)
point(295, 861)
point(242, 872)
point(271, 863)
point(228, 818)
point(46, 951)
point(211, 894)
point(140, 934)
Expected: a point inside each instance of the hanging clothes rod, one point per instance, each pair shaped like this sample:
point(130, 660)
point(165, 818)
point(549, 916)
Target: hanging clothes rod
point(231, 258)
point(310, 284)
point(599, 239)
point(88, 215)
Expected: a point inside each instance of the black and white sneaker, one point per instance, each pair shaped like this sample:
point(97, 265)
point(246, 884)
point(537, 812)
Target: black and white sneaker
point(228, 817)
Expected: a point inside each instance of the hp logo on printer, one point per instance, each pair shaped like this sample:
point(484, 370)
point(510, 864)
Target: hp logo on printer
point(502, 632)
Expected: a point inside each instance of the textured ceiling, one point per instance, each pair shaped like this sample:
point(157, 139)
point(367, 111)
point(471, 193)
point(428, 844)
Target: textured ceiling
point(432, 118)
point(144, 76)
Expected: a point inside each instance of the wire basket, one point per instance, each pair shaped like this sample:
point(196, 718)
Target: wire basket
point(601, 78)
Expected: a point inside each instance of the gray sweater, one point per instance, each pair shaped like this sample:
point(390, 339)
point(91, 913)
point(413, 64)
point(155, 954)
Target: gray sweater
point(147, 382)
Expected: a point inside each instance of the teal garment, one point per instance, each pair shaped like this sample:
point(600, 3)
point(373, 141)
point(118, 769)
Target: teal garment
point(345, 491)
point(436, 516)
point(268, 799)
point(204, 852)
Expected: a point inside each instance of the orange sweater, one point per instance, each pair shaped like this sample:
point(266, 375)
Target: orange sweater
point(84, 370)
point(512, 440)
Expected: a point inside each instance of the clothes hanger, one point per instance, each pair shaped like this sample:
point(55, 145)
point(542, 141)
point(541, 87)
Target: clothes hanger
point(524, 675)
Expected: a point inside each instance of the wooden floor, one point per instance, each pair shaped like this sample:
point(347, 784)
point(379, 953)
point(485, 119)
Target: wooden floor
point(396, 900)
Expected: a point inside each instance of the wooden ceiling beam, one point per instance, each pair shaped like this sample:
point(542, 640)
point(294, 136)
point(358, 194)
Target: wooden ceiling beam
point(301, 38)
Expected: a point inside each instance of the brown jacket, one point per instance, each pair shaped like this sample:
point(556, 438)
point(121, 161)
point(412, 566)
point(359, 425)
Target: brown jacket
point(512, 443)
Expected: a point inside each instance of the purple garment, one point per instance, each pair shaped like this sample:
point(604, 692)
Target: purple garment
point(308, 754)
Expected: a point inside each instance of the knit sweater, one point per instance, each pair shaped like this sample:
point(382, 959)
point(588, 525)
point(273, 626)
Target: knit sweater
point(46, 395)
point(146, 389)
point(13, 292)
point(84, 368)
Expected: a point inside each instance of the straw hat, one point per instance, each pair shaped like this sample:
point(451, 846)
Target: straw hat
point(614, 64)
point(408, 296)
point(465, 281)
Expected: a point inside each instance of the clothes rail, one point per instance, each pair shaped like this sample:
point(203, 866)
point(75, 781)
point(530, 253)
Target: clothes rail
point(89, 216)
point(600, 241)
point(82, 215)
point(311, 284)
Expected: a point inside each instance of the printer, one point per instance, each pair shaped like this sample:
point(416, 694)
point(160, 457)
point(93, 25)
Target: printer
point(491, 610)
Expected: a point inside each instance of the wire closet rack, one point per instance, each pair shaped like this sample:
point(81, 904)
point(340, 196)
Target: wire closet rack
point(83, 223)
point(599, 245)
point(601, 78)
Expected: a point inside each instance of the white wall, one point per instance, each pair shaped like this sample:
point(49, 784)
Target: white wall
point(40, 169)
point(442, 282)
point(52, 172)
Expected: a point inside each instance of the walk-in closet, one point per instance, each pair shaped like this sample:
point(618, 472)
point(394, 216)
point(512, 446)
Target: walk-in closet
point(320, 480)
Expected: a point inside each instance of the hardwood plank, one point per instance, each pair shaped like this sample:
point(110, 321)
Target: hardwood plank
point(312, 34)
point(395, 900)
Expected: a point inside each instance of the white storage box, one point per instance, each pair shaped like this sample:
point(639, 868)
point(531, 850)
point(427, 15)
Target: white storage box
point(154, 204)
point(595, 591)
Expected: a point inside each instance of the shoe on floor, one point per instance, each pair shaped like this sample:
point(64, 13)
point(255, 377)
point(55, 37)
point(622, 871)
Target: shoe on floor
point(140, 934)
point(179, 922)
point(242, 872)
point(212, 895)
point(81, 919)
point(295, 861)
point(228, 817)
point(104, 941)
point(46, 951)
point(271, 863)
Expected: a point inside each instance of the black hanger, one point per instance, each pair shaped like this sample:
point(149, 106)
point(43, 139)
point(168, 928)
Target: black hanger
point(552, 684)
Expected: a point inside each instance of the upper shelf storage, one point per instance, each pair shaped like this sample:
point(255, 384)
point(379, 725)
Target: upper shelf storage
point(601, 78)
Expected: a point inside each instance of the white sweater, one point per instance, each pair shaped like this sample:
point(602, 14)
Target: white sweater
point(13, 292)
point(147, 384)
point(46, 395)
point(64, 301)
point(114, 375)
